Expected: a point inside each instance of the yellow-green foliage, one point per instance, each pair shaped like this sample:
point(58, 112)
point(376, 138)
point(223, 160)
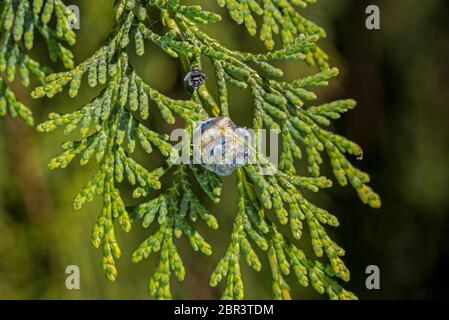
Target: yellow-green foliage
point(19, 22)
point(111, 127)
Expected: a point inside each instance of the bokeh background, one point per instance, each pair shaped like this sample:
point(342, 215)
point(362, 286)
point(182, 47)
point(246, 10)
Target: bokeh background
point(398, 75)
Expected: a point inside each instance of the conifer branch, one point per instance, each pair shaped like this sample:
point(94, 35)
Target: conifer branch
point(279, 17)
point(111, 126)
point(19, 22)
point(173, 210)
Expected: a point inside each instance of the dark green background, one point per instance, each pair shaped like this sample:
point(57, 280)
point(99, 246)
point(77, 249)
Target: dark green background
point(399, 76)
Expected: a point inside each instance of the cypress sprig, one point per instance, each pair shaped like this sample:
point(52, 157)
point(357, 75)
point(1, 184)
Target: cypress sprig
point(175, 211)
point(111, 127)
point(109, 134)
point(282, 105)
point(279, 17)
point(110, 131)
point(252, 224)
point(19, 22)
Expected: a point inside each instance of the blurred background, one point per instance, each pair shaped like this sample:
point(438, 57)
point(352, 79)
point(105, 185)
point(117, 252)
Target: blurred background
point(398, 75)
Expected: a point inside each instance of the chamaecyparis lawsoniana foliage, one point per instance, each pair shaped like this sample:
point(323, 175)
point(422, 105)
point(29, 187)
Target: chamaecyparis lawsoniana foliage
point(112, 127)
point(20, 22)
